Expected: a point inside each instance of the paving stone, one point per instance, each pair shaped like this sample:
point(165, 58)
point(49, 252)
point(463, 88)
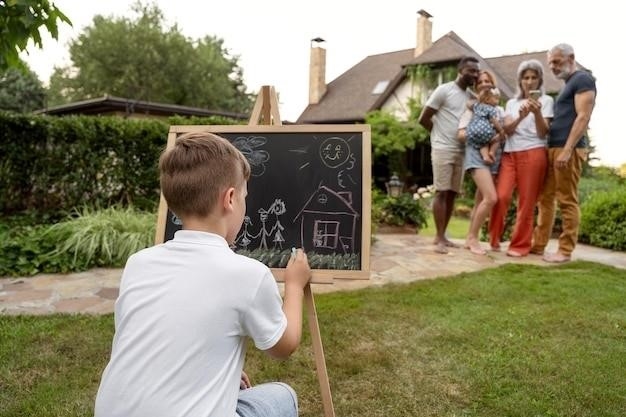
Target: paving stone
point(394, 259)
point(108, 293)
point(76, 305)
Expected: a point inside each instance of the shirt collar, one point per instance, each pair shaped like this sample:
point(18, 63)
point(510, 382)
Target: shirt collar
point(197, 237)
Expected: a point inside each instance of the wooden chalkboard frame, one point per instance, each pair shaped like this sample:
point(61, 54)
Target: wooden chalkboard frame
point(325, 276)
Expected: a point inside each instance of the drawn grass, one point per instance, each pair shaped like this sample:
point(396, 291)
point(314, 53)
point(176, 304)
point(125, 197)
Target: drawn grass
point(278, 258)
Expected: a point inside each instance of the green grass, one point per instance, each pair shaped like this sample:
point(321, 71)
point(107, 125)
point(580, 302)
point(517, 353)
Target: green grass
point(517, 340)
point(457, 228)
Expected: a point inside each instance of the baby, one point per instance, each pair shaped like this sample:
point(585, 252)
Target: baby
point(485, 124)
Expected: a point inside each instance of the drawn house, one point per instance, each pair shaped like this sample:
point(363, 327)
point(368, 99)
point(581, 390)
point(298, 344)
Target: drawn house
point(327, 223)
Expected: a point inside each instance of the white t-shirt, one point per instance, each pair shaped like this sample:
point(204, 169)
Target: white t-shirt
point(525, 135)
point(450, 102)
point(182, 318)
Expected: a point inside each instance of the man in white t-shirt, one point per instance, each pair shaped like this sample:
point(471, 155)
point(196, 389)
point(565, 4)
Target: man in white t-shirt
point(440, 116)
point(187, 307)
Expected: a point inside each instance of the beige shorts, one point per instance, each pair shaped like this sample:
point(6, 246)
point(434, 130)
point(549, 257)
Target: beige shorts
point(447, 170)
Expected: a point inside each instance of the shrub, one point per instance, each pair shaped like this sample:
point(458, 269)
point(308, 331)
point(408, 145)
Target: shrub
point(86, 239)
point(103, 237)
point(398, 211)
point(24, 251)
point(603, 220)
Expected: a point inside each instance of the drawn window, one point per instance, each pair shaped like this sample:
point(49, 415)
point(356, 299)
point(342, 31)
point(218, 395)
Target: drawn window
point(325, 234)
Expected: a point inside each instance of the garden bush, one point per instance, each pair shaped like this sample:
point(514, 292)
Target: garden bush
point(603, 220)
point(86, 239)
point(398, 211)
point(55, 164)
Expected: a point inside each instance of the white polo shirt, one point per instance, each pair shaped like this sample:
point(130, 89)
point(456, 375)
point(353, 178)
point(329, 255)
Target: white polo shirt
point(182, 317)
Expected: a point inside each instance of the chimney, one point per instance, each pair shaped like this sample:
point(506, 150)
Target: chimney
point(424, 33)
point(317, 72)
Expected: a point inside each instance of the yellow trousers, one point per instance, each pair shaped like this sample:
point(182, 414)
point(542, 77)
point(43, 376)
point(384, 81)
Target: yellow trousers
point(560, 186)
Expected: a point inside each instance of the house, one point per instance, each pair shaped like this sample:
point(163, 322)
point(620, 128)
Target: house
point(328, 222)
point(383, 82)
point(125, 107)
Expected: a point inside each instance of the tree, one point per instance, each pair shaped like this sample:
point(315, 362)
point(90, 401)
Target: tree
point(20, 21)
point(140, 59)
point(392, 138)
point(20, 90)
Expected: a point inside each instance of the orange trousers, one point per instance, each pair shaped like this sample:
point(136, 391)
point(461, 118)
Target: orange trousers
point(561, 186)
point(524, 171)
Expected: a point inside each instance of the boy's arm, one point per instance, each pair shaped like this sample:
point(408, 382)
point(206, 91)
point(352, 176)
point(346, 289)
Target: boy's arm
point(297, 275)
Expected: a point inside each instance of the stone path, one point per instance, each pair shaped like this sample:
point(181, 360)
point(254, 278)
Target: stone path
point(395, 258)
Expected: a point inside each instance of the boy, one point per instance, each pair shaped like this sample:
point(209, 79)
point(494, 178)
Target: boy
point(186, 307)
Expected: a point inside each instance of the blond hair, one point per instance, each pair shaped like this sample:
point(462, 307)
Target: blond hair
point(487, 93)
point(197, 169)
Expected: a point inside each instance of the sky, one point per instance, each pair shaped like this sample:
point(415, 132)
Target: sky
point(272, 39)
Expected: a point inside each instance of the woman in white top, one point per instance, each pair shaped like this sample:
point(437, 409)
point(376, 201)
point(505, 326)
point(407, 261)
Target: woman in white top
point(524, 160)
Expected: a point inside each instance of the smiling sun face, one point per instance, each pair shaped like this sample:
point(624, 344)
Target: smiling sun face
point(334, 152)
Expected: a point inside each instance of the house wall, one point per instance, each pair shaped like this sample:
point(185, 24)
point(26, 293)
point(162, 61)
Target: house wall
point(396, 104)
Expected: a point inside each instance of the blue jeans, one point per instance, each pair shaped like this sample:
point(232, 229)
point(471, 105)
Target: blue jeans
point(273, 399)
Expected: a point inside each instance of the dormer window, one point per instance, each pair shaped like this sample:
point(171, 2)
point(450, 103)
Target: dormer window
point(380, 87)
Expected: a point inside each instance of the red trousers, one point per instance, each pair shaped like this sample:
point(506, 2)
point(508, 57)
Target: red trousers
point(524, 171)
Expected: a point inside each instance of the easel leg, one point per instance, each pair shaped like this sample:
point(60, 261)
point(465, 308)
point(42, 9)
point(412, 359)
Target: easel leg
point(318, 352)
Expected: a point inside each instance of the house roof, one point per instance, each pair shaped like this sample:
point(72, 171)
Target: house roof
point(111, 104)
point(506, 67)
point(449, 49)
point(349, 97)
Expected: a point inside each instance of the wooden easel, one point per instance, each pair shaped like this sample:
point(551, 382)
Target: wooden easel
point(265, 112)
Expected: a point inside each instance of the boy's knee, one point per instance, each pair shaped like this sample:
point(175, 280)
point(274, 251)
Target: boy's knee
point(268, 399)
point(290, 394)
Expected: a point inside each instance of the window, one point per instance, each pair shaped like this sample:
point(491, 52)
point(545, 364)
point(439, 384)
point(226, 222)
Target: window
point(380, 87)
point(325, 234)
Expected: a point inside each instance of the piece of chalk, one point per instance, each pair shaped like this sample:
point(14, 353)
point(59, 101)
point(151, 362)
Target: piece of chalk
point(293, 251)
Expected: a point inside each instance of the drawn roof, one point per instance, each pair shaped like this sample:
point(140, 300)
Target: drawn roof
point(333, 199)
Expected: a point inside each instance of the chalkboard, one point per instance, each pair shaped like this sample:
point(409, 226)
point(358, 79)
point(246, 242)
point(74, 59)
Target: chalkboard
point(310, 188)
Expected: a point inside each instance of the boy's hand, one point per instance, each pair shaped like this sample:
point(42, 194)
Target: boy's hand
point(298, 271)
point(245, 381)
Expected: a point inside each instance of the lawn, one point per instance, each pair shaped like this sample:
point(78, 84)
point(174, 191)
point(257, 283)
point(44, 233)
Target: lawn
point(457, 228)
point(517, 340)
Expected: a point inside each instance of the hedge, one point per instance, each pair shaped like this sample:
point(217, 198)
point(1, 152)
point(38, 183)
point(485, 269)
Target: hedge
point(54, 164)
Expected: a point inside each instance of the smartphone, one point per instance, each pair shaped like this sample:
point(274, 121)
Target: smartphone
point(535, 94)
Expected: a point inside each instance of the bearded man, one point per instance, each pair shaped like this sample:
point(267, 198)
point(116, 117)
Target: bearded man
point(567, 151)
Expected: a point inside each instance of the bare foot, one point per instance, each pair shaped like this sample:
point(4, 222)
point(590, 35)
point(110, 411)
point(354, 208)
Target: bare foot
point(513, 254)
point(440, 248)
point(536, 251)
point(557, 258)
point(446, 243)
point(496, 249)
point(474, 247)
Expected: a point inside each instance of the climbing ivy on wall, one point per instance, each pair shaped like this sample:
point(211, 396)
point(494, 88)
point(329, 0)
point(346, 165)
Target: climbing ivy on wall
point(428, 76)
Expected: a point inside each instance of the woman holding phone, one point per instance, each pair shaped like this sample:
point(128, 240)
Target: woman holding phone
point(524, 160)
